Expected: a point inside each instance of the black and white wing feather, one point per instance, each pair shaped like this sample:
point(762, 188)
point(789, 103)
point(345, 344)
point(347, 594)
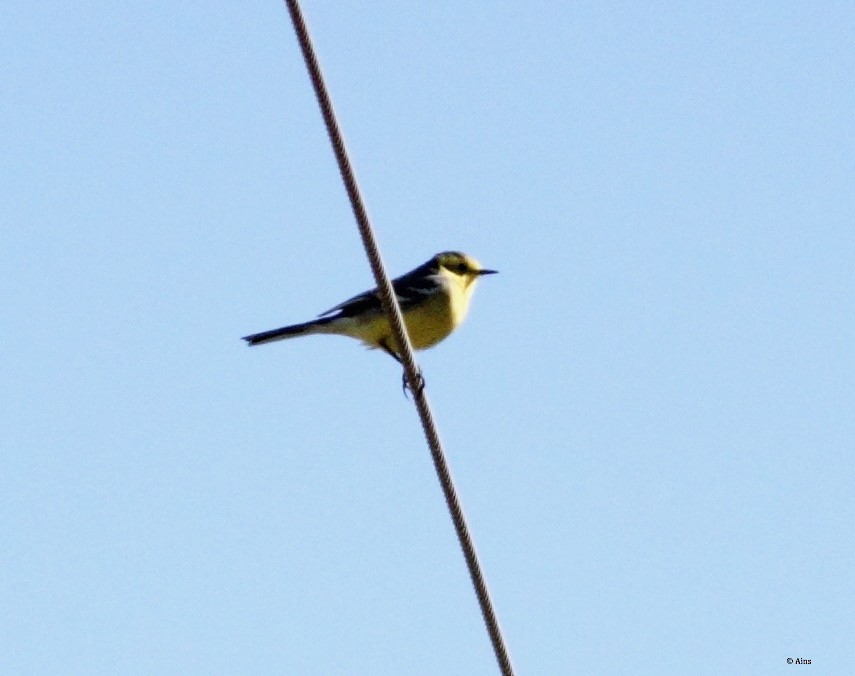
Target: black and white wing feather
point(410, 289)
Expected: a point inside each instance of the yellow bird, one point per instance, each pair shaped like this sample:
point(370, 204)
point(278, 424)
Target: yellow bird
point(434, 300)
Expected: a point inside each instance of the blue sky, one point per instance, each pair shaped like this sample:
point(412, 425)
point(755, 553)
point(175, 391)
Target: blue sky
point(648, 413)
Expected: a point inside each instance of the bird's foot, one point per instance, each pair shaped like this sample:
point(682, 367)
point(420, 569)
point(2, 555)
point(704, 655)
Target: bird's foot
point(420, 383)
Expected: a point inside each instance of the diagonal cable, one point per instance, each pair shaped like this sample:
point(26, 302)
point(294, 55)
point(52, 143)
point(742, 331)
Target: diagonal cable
point(393, 312)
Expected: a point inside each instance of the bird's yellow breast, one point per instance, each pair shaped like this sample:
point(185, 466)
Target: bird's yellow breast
point(434, 319)
point(431, 321)
point(428, 322)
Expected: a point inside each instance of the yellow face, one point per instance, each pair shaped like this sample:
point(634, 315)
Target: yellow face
point(464, 267)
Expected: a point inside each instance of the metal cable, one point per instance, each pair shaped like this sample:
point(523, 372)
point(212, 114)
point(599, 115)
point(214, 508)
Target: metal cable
point(393, 312)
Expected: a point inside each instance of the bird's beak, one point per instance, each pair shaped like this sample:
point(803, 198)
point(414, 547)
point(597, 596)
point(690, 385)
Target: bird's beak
point(487, 272)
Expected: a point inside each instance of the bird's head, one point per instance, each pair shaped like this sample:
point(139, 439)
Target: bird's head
point(461, 267)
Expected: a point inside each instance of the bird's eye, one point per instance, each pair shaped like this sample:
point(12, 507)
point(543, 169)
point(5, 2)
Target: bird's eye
point(462, 268)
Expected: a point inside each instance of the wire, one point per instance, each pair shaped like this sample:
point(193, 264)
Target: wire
point(393, 312)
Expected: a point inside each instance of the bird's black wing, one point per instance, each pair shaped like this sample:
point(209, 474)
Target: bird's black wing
point(409, 288)
point(363, 302)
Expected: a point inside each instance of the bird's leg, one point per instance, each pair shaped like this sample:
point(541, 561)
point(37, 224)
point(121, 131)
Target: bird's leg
point(384, 345)
point(420, 381)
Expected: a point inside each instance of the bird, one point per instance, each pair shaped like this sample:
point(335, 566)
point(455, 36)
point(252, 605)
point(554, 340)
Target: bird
point(434, 300)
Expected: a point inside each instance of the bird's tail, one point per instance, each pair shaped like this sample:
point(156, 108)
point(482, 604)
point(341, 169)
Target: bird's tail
point(315, 326)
